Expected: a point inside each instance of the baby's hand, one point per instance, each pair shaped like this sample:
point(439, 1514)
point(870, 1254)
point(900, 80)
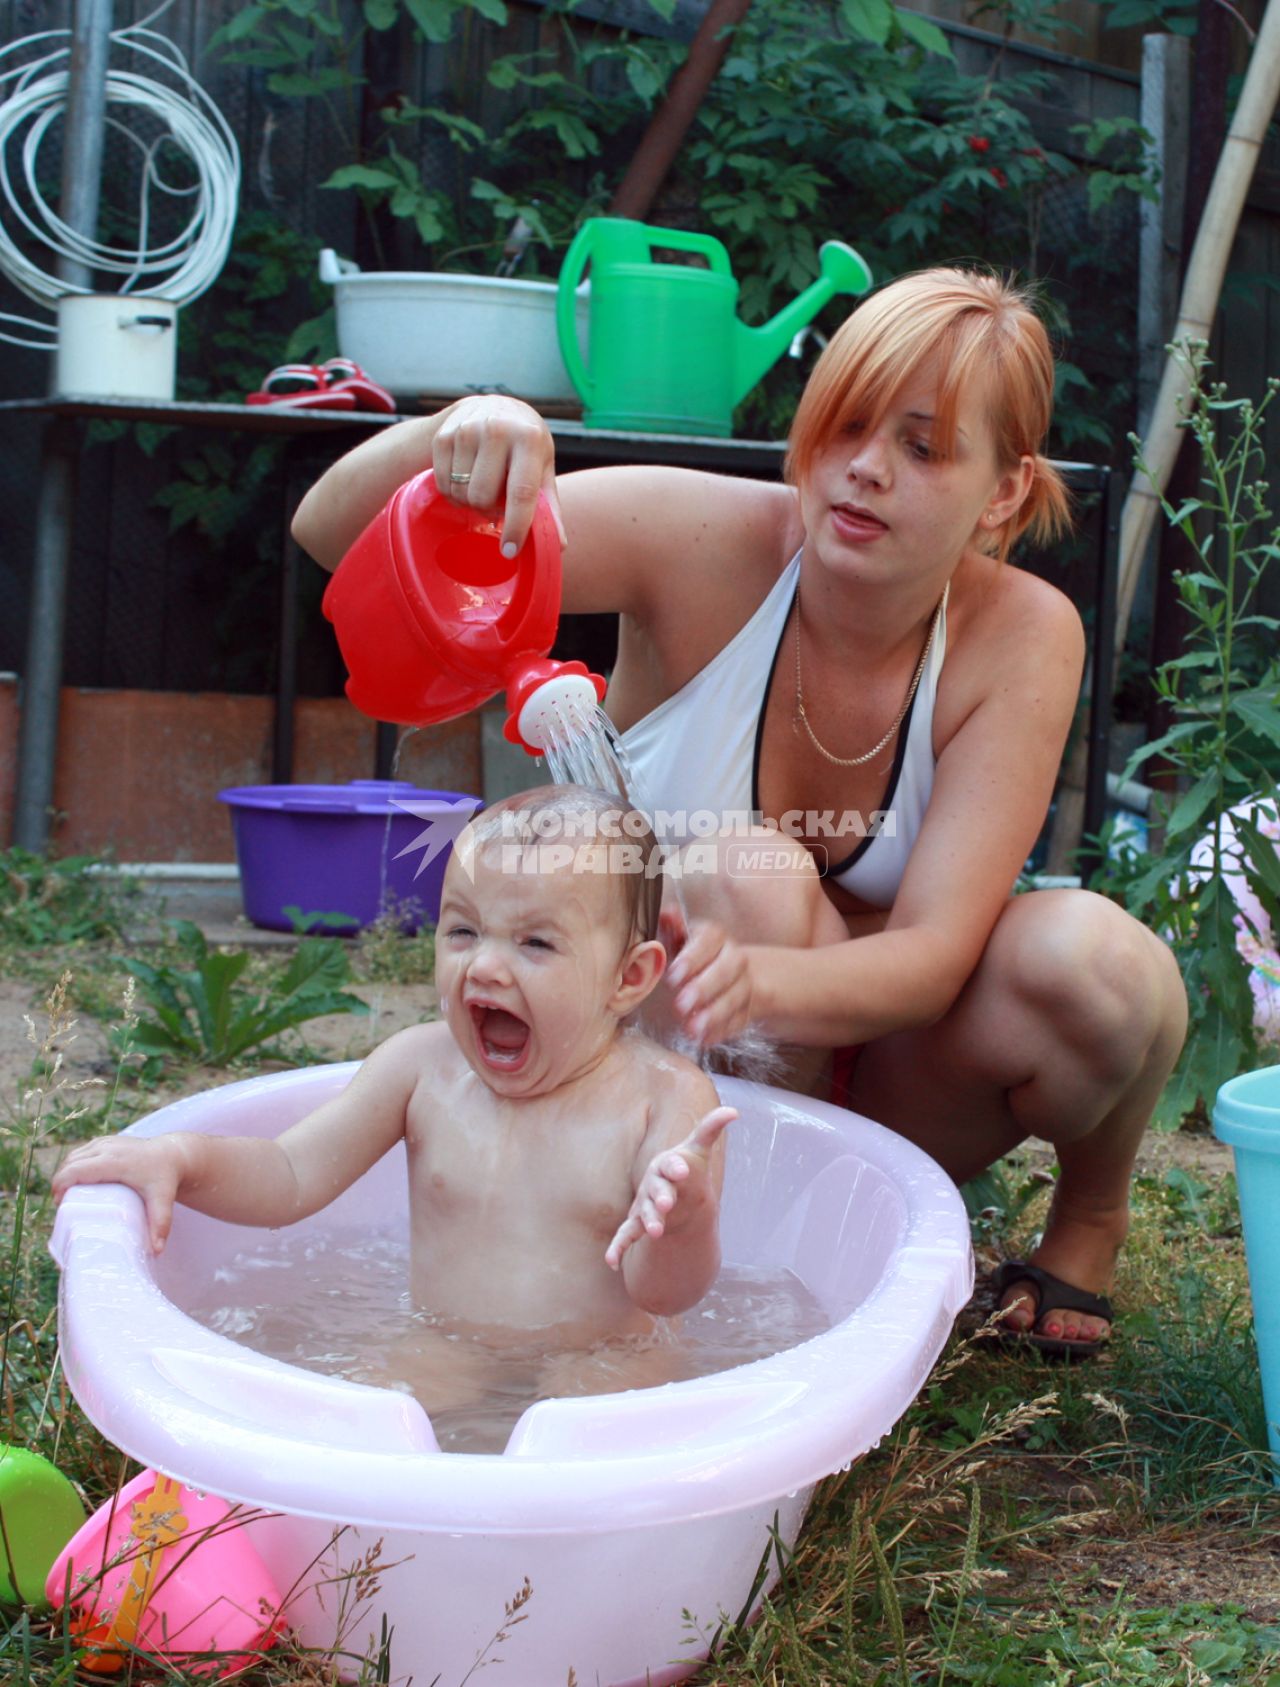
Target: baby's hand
point(674, 1174)
point(152, 1166)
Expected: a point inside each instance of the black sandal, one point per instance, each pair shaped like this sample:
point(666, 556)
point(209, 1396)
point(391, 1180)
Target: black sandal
point(1052, 1295)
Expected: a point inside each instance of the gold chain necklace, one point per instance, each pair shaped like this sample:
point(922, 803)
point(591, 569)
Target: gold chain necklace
point(802, 719)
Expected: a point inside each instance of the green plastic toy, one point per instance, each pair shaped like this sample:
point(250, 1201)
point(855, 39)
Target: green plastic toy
point(667, 353)
point(39, 1513)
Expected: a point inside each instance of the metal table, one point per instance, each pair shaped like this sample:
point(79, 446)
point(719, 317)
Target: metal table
point(331, 434)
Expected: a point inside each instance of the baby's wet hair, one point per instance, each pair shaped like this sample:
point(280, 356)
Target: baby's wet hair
point(589, 817)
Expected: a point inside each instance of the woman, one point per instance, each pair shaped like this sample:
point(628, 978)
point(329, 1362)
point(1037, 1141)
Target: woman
point(848, 644)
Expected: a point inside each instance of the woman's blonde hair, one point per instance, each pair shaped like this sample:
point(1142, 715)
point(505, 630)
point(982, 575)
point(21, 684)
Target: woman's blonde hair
point(967, 325)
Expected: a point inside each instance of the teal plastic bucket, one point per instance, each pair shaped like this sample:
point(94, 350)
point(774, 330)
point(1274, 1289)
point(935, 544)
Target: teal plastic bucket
point(1247, 1115)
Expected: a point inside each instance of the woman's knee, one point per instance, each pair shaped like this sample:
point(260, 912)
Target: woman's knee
point(1091, 970)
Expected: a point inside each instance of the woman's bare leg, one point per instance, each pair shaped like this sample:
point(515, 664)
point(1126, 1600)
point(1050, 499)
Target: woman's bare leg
point(1066, 1031)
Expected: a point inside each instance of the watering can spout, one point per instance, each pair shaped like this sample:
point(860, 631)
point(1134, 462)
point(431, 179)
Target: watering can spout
point(756, 350)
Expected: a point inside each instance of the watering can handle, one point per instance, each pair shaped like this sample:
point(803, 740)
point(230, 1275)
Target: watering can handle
point(575, 261)
point(678, 240)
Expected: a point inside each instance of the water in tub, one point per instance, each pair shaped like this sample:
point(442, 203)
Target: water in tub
point(340, 1305)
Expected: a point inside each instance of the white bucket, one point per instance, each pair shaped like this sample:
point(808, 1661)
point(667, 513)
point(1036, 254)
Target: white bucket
point(428, 334)
point(115, 346)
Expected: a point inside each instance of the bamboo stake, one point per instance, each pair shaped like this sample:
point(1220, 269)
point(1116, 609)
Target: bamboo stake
point(1199, 302)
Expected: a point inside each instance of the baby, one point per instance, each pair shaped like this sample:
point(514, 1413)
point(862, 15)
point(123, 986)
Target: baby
point(564, 1173)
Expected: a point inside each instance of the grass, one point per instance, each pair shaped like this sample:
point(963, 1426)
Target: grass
point(1024, 1525)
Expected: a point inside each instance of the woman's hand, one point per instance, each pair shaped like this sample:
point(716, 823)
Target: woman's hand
point(490, 451)
point(710, 980)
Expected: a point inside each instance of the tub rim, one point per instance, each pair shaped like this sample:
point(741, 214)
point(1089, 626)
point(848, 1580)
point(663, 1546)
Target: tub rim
point(116, 1322)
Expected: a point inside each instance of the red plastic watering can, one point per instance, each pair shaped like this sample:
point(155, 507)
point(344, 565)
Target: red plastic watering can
point(432, 619)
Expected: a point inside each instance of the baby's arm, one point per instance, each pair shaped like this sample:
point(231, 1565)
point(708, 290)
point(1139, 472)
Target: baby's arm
point(668, 1246)
point(248, 1180)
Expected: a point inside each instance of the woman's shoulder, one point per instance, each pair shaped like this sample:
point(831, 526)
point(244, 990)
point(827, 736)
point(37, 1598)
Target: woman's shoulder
point(1000, 603)
point(636, 531)
point(1009, 633)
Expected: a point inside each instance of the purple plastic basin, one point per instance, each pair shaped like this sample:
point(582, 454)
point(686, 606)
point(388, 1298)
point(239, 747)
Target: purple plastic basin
point(335, 849)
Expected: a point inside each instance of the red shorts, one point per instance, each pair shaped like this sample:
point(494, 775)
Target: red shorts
point(843, 1062)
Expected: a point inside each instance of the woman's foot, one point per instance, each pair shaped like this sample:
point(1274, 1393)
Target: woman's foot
point(1050, 1313)
point(1058, 1300)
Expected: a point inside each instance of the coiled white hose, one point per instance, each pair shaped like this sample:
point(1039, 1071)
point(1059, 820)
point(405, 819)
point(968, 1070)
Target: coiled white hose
point(180, 269)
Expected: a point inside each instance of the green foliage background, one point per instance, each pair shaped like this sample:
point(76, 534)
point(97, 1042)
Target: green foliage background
point(847, 119)
point(841, 119)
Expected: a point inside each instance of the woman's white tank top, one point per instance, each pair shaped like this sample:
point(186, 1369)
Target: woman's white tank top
point(696, 756)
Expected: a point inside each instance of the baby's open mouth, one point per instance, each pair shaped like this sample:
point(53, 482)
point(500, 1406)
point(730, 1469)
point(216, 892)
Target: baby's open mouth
point(502, 1036)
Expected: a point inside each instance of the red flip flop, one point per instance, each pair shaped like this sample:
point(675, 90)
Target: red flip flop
point(338, 384)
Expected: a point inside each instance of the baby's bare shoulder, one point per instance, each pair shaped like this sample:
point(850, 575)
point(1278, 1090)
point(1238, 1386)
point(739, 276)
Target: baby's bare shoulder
point(675, 1083)
point(419, 1051)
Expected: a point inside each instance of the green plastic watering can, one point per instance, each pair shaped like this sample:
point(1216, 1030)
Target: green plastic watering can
point(667, 351)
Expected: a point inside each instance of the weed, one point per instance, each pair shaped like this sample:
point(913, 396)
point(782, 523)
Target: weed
point(996, 1204)
point(202, 1013)
point(44, 901)
point(305, 924)
point(1187, 1379)
point(1224, 695)
point(22, 1134)
point(513, 1614)
point(391, 952)
point(1188, 1202)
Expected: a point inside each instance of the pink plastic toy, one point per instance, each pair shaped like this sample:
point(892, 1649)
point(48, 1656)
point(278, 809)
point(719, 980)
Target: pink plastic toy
point(432, 619)
point(163, 1570)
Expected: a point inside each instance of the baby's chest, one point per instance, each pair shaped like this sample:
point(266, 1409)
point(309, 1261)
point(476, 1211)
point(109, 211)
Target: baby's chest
point(514, 1181)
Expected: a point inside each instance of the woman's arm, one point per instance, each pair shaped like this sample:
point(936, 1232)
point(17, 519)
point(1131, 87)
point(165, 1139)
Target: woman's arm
point(992, 787)
point(501, 442)
point(653, 542)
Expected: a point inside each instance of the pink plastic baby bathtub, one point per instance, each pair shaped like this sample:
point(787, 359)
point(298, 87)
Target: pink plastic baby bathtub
point(623, 1511)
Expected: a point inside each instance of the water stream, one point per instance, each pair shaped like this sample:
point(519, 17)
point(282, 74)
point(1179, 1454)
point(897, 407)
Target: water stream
point(588, 750)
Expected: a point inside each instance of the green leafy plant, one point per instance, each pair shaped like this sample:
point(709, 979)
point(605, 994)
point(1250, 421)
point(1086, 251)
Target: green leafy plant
point(399, 947)
point(564, 101)
point(45, 900)
point(996, 1199)
point(1124, 152)
point(1224, 695)
point(303, 921)
point(201, 1012)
